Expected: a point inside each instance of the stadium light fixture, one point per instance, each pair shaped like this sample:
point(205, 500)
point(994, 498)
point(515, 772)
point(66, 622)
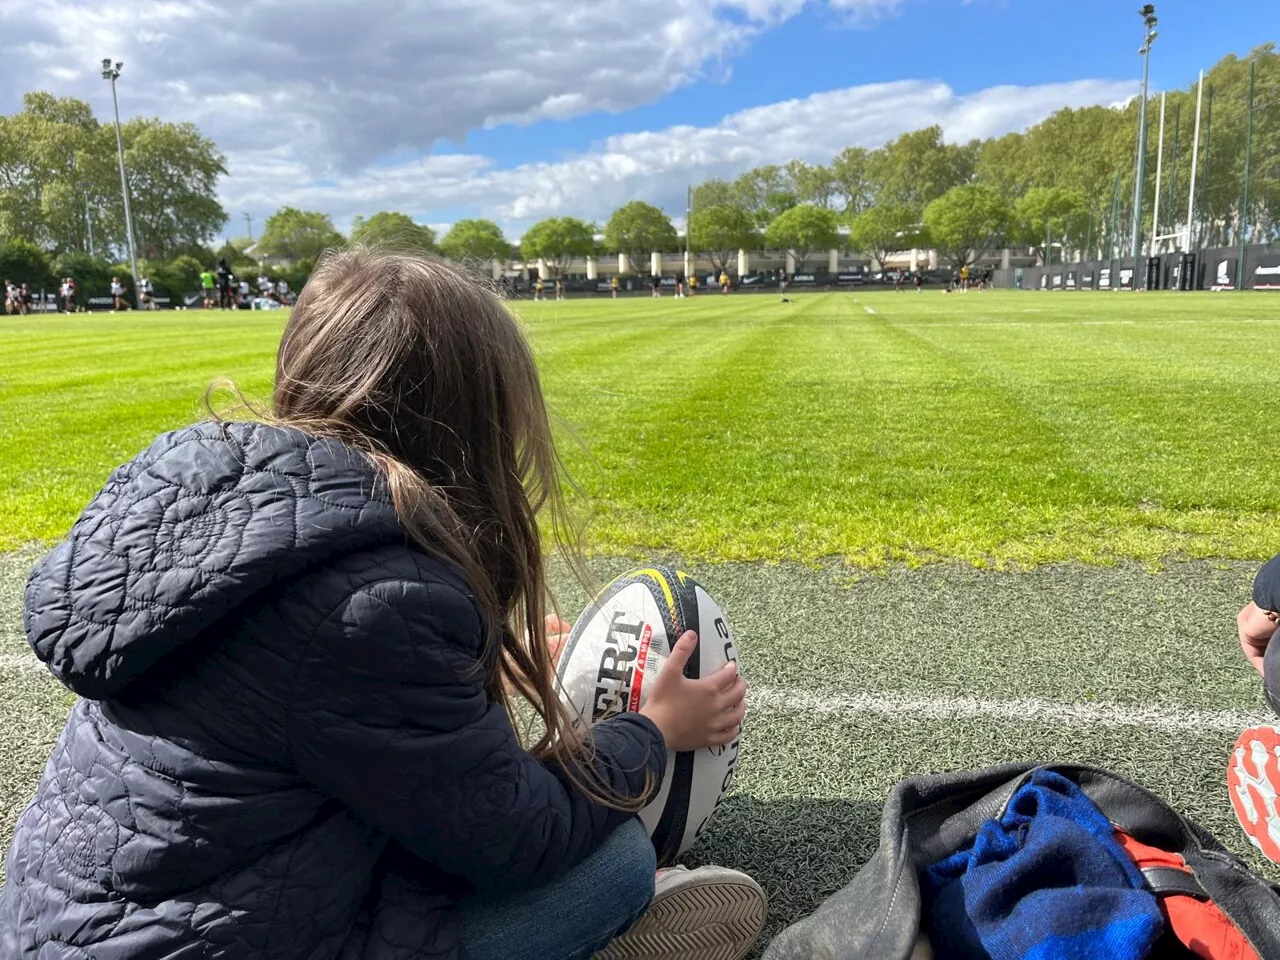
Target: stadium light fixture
point(111, 72)
point(1149, 21)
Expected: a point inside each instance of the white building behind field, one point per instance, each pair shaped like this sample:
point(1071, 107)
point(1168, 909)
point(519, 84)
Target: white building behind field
point(746, 262)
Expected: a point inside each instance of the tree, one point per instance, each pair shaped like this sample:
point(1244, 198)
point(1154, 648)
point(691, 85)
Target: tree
point(849, 171)
point(813, 184)
point(396, 230)
point(556, 241)
point(917, 168)
point(765, 192)
point(883, 230)
point(720, 232)
point(967, 221)
point(802, 230)
point(21, 261)
point(173, 183)
point(296, 234)
point(474, 240)
point(231, 252)
point(714, 193)
point(638, 229)
point(181, 275)
point(1043, 214)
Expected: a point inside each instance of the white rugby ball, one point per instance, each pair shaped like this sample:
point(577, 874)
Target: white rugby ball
point(609, 663)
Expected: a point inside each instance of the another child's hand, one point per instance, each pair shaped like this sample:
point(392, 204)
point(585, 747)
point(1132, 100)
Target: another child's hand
point(692, 714)
point(1257, 626)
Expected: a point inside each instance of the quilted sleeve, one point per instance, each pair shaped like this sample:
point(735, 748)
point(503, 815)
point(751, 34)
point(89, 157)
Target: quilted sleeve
point(1266, 585)
point(389, 715)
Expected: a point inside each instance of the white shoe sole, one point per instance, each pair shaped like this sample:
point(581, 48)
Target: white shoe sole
point(698, 916)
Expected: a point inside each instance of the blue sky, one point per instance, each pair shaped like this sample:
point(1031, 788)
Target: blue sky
point(518, 109)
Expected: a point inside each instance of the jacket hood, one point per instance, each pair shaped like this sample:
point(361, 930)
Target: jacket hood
point(181, 536)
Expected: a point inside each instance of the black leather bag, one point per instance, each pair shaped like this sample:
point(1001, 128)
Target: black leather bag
point(877, 915)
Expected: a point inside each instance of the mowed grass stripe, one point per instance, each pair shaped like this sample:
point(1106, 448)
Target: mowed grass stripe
point(1132, 391)
point(878, 437)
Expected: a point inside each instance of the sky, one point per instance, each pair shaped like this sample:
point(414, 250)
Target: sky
point(522, 109)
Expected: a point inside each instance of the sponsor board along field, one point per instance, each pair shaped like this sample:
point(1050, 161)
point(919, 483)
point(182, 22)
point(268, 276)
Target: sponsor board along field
point(949, 531)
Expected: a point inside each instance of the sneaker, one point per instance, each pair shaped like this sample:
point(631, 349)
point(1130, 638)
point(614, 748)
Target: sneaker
point(1253, 780)
point(711, 913)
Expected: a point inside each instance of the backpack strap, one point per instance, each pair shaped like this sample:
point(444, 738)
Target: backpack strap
point(1171, 880)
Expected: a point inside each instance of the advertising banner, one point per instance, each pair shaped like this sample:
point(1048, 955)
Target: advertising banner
point(1104, 278)
point(1224, 273)
point(1266, 272)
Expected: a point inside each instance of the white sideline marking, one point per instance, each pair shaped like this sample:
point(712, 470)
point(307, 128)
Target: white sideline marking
point(1164, 719)
point(870, 311)
point(768, 699)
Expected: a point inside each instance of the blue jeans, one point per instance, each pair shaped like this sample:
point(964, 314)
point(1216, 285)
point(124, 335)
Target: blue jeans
point(571, 917)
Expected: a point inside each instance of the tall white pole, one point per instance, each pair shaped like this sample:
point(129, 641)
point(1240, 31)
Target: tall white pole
point(124, 190)
point(1195, 161)
point(1141, 163)
point(1155, 216)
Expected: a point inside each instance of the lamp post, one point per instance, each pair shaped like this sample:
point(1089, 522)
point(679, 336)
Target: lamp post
point(88, 220)
point(1148, 14)
point(111, 72)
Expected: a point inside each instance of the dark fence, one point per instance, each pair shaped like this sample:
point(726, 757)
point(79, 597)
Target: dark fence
point(1213, 269)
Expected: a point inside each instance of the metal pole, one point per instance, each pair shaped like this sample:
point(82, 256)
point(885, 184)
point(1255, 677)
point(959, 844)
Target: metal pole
point(124, 192)
point(88, 223)
point(1140, 168)
point(1173, 167)
point(1248, 169)
point(1195, 160)
point(248, 225)
point(1208, 155)
point(1155, 214)
point(688, 228)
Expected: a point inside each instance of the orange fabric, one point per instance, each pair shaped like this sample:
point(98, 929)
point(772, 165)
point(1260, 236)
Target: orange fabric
point(1200, 925)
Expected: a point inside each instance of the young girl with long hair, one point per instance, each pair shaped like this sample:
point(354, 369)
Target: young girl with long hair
point(302, 645)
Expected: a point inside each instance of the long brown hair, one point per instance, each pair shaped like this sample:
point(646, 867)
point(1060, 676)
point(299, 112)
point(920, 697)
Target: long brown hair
point(427, 372)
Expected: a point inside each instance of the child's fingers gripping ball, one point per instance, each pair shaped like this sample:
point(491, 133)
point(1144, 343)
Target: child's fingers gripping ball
point(611, 663)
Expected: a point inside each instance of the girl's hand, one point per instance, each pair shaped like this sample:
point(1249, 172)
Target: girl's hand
point(558, 631)
point(692, 714)
point(1257, 626)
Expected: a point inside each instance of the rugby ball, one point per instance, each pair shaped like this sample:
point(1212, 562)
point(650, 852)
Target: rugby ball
point(613, 655)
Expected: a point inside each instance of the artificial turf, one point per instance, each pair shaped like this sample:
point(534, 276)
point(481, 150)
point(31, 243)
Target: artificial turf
point(993, 428)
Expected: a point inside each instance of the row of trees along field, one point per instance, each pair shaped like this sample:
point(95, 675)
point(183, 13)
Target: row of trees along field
point(1065, 183)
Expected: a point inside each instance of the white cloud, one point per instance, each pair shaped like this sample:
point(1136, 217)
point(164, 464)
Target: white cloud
point(348, 82)
point(312, 101)
point(657, 165)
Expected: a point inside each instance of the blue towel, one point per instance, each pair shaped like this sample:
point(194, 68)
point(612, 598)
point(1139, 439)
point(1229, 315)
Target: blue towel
point(1047, 881)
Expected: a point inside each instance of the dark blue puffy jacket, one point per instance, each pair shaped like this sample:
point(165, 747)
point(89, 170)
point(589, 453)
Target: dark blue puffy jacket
point(281, 750)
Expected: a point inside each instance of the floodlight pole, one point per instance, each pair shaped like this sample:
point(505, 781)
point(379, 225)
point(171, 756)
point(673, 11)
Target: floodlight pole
point(1149, 23)
point(1195, 164)
point(1155, 215)
point(1248, 171)
point(112, 73)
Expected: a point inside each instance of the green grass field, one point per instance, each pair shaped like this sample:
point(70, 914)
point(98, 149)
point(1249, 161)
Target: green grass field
point(1090, 473)
point(991, 428)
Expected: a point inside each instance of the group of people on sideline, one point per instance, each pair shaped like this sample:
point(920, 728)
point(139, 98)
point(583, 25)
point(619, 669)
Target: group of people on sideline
point(229, 292)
